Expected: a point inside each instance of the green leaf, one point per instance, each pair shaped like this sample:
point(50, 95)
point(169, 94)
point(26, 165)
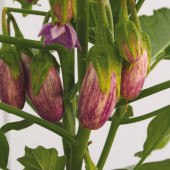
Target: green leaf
point(43, 159)
point(157, 27)
point(158, 134)
point(16, 126)
point(4, 150)
point(162, 165)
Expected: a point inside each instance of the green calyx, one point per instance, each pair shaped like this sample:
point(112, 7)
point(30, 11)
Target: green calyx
point(40, 67)
point(128, 36)
point(146, 45)
point(10, 57)
point(106, 61)
point(104, 55)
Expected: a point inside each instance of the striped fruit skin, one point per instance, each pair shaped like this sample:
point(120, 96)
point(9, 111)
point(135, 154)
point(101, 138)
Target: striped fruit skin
point(129, 55)
point(58, 11)
point(26, 60)
point(12, 92)
point(132, 81)
point(94, 106)
point(49, 101)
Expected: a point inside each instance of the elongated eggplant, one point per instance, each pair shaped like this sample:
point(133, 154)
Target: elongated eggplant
point(132, 80)
point(49, 100)
point(12, 91)
point(95, 106)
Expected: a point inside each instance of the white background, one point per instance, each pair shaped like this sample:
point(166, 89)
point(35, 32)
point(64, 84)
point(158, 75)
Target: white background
point(129, 139)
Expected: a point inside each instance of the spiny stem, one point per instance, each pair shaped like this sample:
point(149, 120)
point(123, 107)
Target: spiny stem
point(67, 67)
point(38, 121)
point(82, 137)
point(146, 116)
point(147, 92)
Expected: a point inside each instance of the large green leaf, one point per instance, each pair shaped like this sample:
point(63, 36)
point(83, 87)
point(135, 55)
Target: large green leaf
point(157, 27)
point(42, 159)
point(162, 165)
point(4, 150)
point(158, 134)
point(16, 126)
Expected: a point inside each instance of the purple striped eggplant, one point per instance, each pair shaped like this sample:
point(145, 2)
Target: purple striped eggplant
point(94, 106)
point(132, 80)
point(49, 100)
point(12, 91)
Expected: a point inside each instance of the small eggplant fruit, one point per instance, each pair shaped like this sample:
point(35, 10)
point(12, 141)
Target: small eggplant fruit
point(49, 100)
point(62, 12)
point(12, 91)
point(95, 106)
point(132, 79)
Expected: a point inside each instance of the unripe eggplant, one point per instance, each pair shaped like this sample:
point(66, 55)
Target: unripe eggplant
point(59, 11)
point(132, 79)
point(49, 100)
point(12, 91)
point(95, 106)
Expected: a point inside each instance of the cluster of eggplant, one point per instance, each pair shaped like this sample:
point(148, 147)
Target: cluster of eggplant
point(48, 102)
point(95, 106)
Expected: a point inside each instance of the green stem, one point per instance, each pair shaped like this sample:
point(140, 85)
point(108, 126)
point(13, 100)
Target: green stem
point(78, 149)
point(139, 5)
point(109, 16)
point(4, 26)
point(134, 16)
point(147, 92)
point(102, 25)
point(88, 161)
point(27, 43)
point(38, 121)
point(146, 116)
point(67, 66)
point(163, 56)
point(139, 164)
point(117, 117)
point(30, 104)
point(82, 137)
point(26, 11)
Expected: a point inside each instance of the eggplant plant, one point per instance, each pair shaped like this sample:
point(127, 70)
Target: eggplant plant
point(111, 74)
